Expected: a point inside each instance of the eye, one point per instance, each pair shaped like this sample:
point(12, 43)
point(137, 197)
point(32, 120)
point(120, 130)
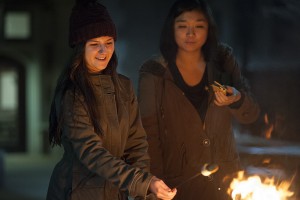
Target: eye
point(93, 44)
point(181, 26)
point(109, 42)
point(200, 26)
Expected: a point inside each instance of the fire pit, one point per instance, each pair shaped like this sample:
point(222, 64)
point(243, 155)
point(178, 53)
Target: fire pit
point(254, 188)
point(271, 170)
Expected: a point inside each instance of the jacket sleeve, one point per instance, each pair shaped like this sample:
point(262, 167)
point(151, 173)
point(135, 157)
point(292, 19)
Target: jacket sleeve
point(247, 109)
point(88, 148)
point(136, 149)
point(147, 95)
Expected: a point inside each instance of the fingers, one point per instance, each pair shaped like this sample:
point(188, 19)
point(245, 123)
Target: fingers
point(220, 97)
point(224, 100)
point(166, 194)
point(161, 190)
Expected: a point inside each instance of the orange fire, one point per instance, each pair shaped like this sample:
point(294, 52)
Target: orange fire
point(252, 188)
point(269, 127)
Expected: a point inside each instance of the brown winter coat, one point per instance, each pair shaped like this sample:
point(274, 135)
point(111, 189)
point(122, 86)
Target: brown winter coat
point(96, 167)
point(180, 143)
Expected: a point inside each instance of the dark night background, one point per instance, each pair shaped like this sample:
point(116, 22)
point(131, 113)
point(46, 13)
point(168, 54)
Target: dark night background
point(265, 37)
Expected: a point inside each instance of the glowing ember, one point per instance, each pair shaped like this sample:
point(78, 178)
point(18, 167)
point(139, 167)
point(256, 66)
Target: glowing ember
point(252, 188)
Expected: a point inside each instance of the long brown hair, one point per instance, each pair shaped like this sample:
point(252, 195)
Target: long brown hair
point(75, 78)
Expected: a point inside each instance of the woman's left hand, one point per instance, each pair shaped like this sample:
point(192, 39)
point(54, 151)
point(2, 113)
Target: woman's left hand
point(233, 95)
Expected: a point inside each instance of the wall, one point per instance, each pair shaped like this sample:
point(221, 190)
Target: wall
point(265, 35)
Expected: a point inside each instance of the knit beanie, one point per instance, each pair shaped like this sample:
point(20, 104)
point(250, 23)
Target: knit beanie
point(89, 19)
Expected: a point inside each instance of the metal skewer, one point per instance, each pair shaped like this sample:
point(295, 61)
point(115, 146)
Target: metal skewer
point(206, 170)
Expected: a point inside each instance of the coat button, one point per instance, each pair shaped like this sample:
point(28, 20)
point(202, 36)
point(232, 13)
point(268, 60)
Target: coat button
point(206, 142)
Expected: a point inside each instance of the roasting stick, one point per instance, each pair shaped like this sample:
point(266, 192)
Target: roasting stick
point(206, 170)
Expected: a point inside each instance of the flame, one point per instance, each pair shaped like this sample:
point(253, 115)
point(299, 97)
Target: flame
point(269, 127)
point(252, 188)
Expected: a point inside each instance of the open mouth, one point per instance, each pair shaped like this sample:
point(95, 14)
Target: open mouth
point(101, 58)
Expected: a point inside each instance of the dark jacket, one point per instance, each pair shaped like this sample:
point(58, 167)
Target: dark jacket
point(99, 167)
point(180, 143)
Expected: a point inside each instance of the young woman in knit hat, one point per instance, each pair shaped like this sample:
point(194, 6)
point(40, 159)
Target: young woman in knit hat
point(95, 117)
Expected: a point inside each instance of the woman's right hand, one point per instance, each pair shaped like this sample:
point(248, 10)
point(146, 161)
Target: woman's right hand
point(161, 190)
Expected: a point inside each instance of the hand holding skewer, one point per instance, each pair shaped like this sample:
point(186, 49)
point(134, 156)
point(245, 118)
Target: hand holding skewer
point(225, 95)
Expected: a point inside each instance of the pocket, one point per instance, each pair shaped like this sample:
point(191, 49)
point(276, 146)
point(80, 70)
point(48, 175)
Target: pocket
point(87, 186)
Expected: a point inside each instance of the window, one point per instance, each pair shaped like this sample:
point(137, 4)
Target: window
point(17, 25)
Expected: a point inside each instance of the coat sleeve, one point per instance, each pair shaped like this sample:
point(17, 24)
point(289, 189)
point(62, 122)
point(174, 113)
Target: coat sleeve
point(88, 148)
point(136, 149)
point(147, 95)
point(247, 109)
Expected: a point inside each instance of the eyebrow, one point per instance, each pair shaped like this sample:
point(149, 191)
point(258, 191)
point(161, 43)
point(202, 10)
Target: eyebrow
point(184, 20)
point(92, 40)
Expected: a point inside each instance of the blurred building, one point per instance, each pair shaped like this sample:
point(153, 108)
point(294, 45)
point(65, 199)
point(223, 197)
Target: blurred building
point(265, 36)
point(32, 50)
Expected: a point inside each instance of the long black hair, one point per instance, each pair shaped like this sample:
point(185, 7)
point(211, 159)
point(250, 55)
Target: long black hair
point(75, 77)
point(168, 46)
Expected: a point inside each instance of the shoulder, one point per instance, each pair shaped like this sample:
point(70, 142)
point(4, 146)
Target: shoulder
point(225, 58)
point(125, 81)
point(72, 101)
point(155, 66)
point(224, 50)
point(122, 77)
point(73, 95)
point(126, 86)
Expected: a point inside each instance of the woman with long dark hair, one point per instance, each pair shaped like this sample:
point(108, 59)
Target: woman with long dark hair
point(95, 117)
point(189, 97)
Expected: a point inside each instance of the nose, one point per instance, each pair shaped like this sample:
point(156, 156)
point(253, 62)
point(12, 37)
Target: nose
point(102, 48)
point(190, 31)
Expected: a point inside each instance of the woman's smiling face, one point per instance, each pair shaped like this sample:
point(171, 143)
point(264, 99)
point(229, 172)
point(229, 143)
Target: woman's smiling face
point(98, 52)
